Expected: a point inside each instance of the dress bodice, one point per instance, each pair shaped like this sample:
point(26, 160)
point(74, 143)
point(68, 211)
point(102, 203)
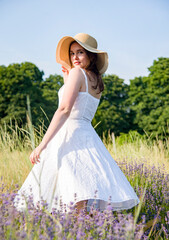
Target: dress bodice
point(85, 105)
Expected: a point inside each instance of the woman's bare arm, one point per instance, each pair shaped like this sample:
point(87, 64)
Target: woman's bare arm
point(71, 90)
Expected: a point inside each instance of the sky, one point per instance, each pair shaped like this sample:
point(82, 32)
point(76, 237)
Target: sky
point(133, 32)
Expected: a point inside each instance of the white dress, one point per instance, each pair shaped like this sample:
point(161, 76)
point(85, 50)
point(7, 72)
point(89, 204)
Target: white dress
point(76, 165)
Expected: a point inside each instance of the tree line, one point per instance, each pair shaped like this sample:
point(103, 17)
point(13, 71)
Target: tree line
point(142, 105)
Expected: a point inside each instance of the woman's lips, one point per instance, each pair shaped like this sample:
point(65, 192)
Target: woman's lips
point(76, 63)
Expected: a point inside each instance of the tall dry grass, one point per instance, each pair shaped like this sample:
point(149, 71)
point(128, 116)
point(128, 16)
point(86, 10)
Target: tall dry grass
point(134, 147)
point(16, 146)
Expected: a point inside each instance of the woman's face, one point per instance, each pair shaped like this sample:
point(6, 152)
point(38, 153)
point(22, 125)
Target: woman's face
point(78, 56)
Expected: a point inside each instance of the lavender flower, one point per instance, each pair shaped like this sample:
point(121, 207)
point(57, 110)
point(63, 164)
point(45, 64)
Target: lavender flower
point(38, 223)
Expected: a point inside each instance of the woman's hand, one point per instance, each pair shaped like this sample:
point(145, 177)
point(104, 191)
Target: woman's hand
point(65, 73)
point(35, 155)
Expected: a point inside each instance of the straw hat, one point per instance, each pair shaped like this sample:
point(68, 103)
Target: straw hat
point(87, 42)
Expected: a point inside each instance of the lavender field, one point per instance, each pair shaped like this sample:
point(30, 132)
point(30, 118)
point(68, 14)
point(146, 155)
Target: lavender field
point(149, 220)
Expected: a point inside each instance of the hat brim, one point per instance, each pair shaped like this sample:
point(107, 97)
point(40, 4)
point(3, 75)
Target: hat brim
point(62, 54)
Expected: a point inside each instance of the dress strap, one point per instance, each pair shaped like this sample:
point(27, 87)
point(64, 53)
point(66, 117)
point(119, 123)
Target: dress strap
point(85, 79)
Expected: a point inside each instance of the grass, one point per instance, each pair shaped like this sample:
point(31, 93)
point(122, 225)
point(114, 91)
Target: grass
point(144, 162)
point(142, 149)
point(16, 146)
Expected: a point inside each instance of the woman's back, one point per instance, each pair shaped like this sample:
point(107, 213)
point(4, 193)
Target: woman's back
point(91, 83)
point(85, 105)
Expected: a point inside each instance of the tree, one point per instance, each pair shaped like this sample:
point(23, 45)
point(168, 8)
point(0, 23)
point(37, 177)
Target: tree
point(149, 99)
point(16, 82)
point(50, 88)
point(112, 111)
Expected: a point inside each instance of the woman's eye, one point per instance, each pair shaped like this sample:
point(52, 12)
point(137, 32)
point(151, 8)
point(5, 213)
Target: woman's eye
point(71, 54)
point(81, 52)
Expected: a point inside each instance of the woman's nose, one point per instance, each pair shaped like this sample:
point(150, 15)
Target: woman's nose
point(75, 56)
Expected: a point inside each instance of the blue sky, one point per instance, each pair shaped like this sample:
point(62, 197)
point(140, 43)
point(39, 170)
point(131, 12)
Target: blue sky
point(133, 32)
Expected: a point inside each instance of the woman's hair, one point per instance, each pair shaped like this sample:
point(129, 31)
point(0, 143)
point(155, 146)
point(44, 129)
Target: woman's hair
point(93, 68)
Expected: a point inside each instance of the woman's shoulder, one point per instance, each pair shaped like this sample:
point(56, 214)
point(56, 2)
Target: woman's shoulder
point(77, 72)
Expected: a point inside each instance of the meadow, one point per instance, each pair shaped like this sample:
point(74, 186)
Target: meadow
point(144, 161)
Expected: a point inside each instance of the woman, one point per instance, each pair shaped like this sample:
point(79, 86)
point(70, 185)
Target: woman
point(73, 164)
